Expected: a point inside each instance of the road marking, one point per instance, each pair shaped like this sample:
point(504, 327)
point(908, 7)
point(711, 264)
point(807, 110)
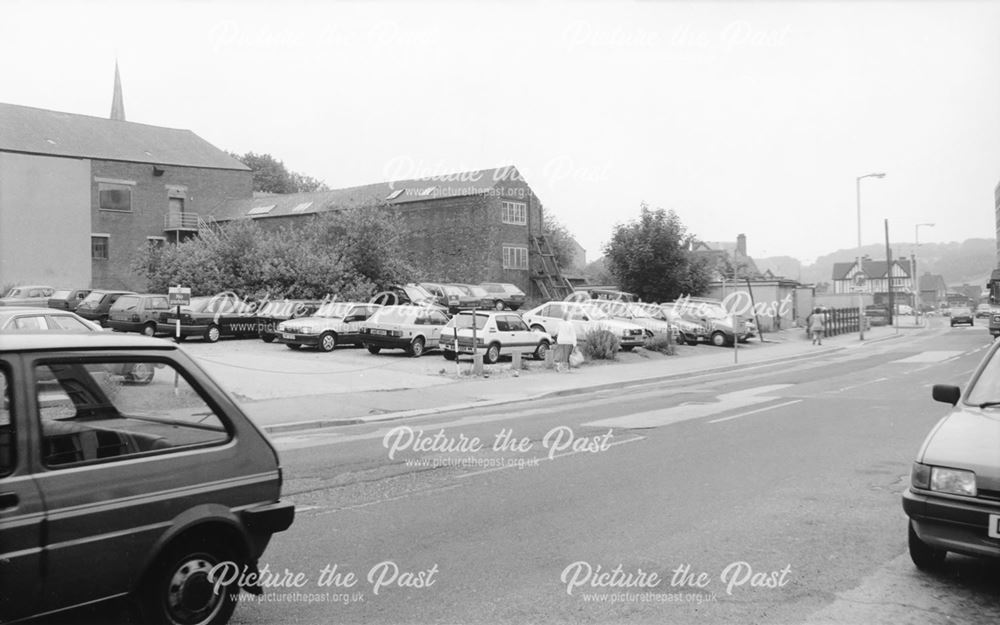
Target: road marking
point(765, 409)
point(555, 457)
point(930, 356)
point(666, 416)
point(854, 386)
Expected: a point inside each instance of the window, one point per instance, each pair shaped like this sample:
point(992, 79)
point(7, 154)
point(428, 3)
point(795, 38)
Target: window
point(261, 210)
point(156, 241)
point(99, 246)
point(32, 323)
point(65, 322)
point(6, 426)
point(516, 324)
point(117, 408)
point(515, 213)
point(113, 196)
point(301, 208)
point(515, 257)
point(395, 194)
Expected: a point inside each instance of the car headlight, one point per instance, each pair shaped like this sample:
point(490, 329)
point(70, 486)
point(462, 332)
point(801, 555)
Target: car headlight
point(943, 480)
point(306, 330)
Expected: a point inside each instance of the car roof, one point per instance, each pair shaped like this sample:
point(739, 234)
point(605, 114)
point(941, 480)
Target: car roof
point(52, 341)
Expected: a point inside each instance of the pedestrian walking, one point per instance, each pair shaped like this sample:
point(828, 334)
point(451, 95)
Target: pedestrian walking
point(565, 342)
point(817, 324)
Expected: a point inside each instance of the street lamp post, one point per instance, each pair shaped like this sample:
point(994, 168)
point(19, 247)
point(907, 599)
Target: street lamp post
point(861, 300)
point(916, 276)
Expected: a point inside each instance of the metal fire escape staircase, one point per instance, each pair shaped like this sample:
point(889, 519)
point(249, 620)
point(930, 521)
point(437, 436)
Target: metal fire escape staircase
point(546, 274)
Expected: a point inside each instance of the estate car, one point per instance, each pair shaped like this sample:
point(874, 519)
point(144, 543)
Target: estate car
point(496, 334)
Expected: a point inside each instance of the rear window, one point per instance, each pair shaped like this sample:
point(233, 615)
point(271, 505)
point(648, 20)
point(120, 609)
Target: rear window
point(465, 321)
point(61, 294)
point(94, 298)
point(126, 302)
point(392, 315)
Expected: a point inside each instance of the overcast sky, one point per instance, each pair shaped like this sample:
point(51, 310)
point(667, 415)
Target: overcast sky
point(750, 118)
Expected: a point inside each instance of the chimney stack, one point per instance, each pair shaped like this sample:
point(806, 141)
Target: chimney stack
point(741, 244)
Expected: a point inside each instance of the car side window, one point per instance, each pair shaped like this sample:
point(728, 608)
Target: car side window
point(516, 324)
point(502, 325)
point(65, 322)
point(437, 319)
point(115, 408)
point(158, 302)
point(7, 455)
point(33, 323)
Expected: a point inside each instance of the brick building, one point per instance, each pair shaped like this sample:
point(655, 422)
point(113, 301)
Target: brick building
point(477, 226)
point(79, 195)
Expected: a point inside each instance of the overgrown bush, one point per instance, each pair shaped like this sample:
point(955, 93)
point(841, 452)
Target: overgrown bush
point(660, 343)
point(600, 344)
point(348, 253)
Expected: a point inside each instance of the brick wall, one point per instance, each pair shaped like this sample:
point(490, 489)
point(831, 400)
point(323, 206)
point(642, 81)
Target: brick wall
point(201, 190)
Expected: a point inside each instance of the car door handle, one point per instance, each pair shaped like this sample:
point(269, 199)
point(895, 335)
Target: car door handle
point(8, 500)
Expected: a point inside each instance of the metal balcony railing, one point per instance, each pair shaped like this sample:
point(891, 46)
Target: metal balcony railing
point(182, 221)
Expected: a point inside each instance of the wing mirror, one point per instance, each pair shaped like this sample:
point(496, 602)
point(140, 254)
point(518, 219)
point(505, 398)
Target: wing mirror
point(946, 393)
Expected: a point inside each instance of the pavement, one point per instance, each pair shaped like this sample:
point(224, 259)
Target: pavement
point(448, 390)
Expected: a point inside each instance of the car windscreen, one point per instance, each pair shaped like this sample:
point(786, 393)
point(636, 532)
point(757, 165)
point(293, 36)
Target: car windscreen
point(417, 293)
point(478, 291)
point(93, 299)
point(125, 303)
point(986, 387)
point(13, 293)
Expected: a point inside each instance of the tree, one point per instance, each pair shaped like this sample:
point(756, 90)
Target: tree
point(271, 176)
point(561, 241)
point(650, 257)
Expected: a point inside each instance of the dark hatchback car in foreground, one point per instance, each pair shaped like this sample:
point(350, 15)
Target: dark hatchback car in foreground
point(953, 500)
point(110, 490)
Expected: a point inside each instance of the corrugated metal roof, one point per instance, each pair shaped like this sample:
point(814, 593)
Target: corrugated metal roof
point(52, 133)
point(400, 191)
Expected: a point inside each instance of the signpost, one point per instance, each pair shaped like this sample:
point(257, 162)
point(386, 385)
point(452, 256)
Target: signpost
point(178, 296)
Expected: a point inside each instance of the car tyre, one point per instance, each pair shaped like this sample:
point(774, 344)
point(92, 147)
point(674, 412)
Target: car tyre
point(492, 354)
point(327, 342)
point(719, 339)
point(925, 557)
point(149, 329)
point(267, 338)
point(417, 347)
point(541, 350)
point(373, 349)
point(449, 355)
point(177, 590)
point(140, 373)
point(690, 339)
point(212, 334)
point(499, 305)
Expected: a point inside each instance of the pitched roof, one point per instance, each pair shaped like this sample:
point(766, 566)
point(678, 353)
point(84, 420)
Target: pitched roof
point(52, 133)
point(481, 182)
point(872, 268)
point(934, 282)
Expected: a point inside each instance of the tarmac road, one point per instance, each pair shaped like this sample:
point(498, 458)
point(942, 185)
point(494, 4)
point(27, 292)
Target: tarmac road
point(769, 495)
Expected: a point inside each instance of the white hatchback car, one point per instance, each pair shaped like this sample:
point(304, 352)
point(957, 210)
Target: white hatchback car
point(496, 334)
point(585, 318)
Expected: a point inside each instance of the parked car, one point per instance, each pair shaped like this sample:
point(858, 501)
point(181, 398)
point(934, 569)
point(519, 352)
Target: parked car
point(718, 323)
point(953, 500)
point(271, 314)
point(496, 334)
point(689, 332)
point(613, 295)
point(29, 295)
point(983, 311)
point(961, 314)
point(96, 305)
point(504, 295)
point(402, 294)
point(475, 296)
point(112, 490)
point(585, 318)
point(222, 314)
point(444, 295)
point(877, 314)
point(68, 299)
point(414, 329)
point(335, 323)
point(904, 309)
point(137, 313)
point(639, 316)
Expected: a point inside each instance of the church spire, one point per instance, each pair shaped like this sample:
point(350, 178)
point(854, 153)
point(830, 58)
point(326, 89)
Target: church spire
point(117, 103)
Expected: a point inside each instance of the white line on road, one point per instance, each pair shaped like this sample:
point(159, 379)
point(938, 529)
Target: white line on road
point(854, 386)
point(765, 409)
point(555, 457)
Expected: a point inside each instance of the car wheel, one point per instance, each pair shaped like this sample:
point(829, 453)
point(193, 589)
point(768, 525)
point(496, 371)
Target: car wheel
point(213, 333)
point(492, 354)
point(267, 338)
point(690, 339)
point(293, 346)
point(327, 341)
point(499, 305)
point(719, 339)
point(541, 350)
point(953, 324)
point(417, 347)
point(149, 329)
point(373, 349)
point(140, 373)
point(178, 590)
point(449, 355)
point(925, 557)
